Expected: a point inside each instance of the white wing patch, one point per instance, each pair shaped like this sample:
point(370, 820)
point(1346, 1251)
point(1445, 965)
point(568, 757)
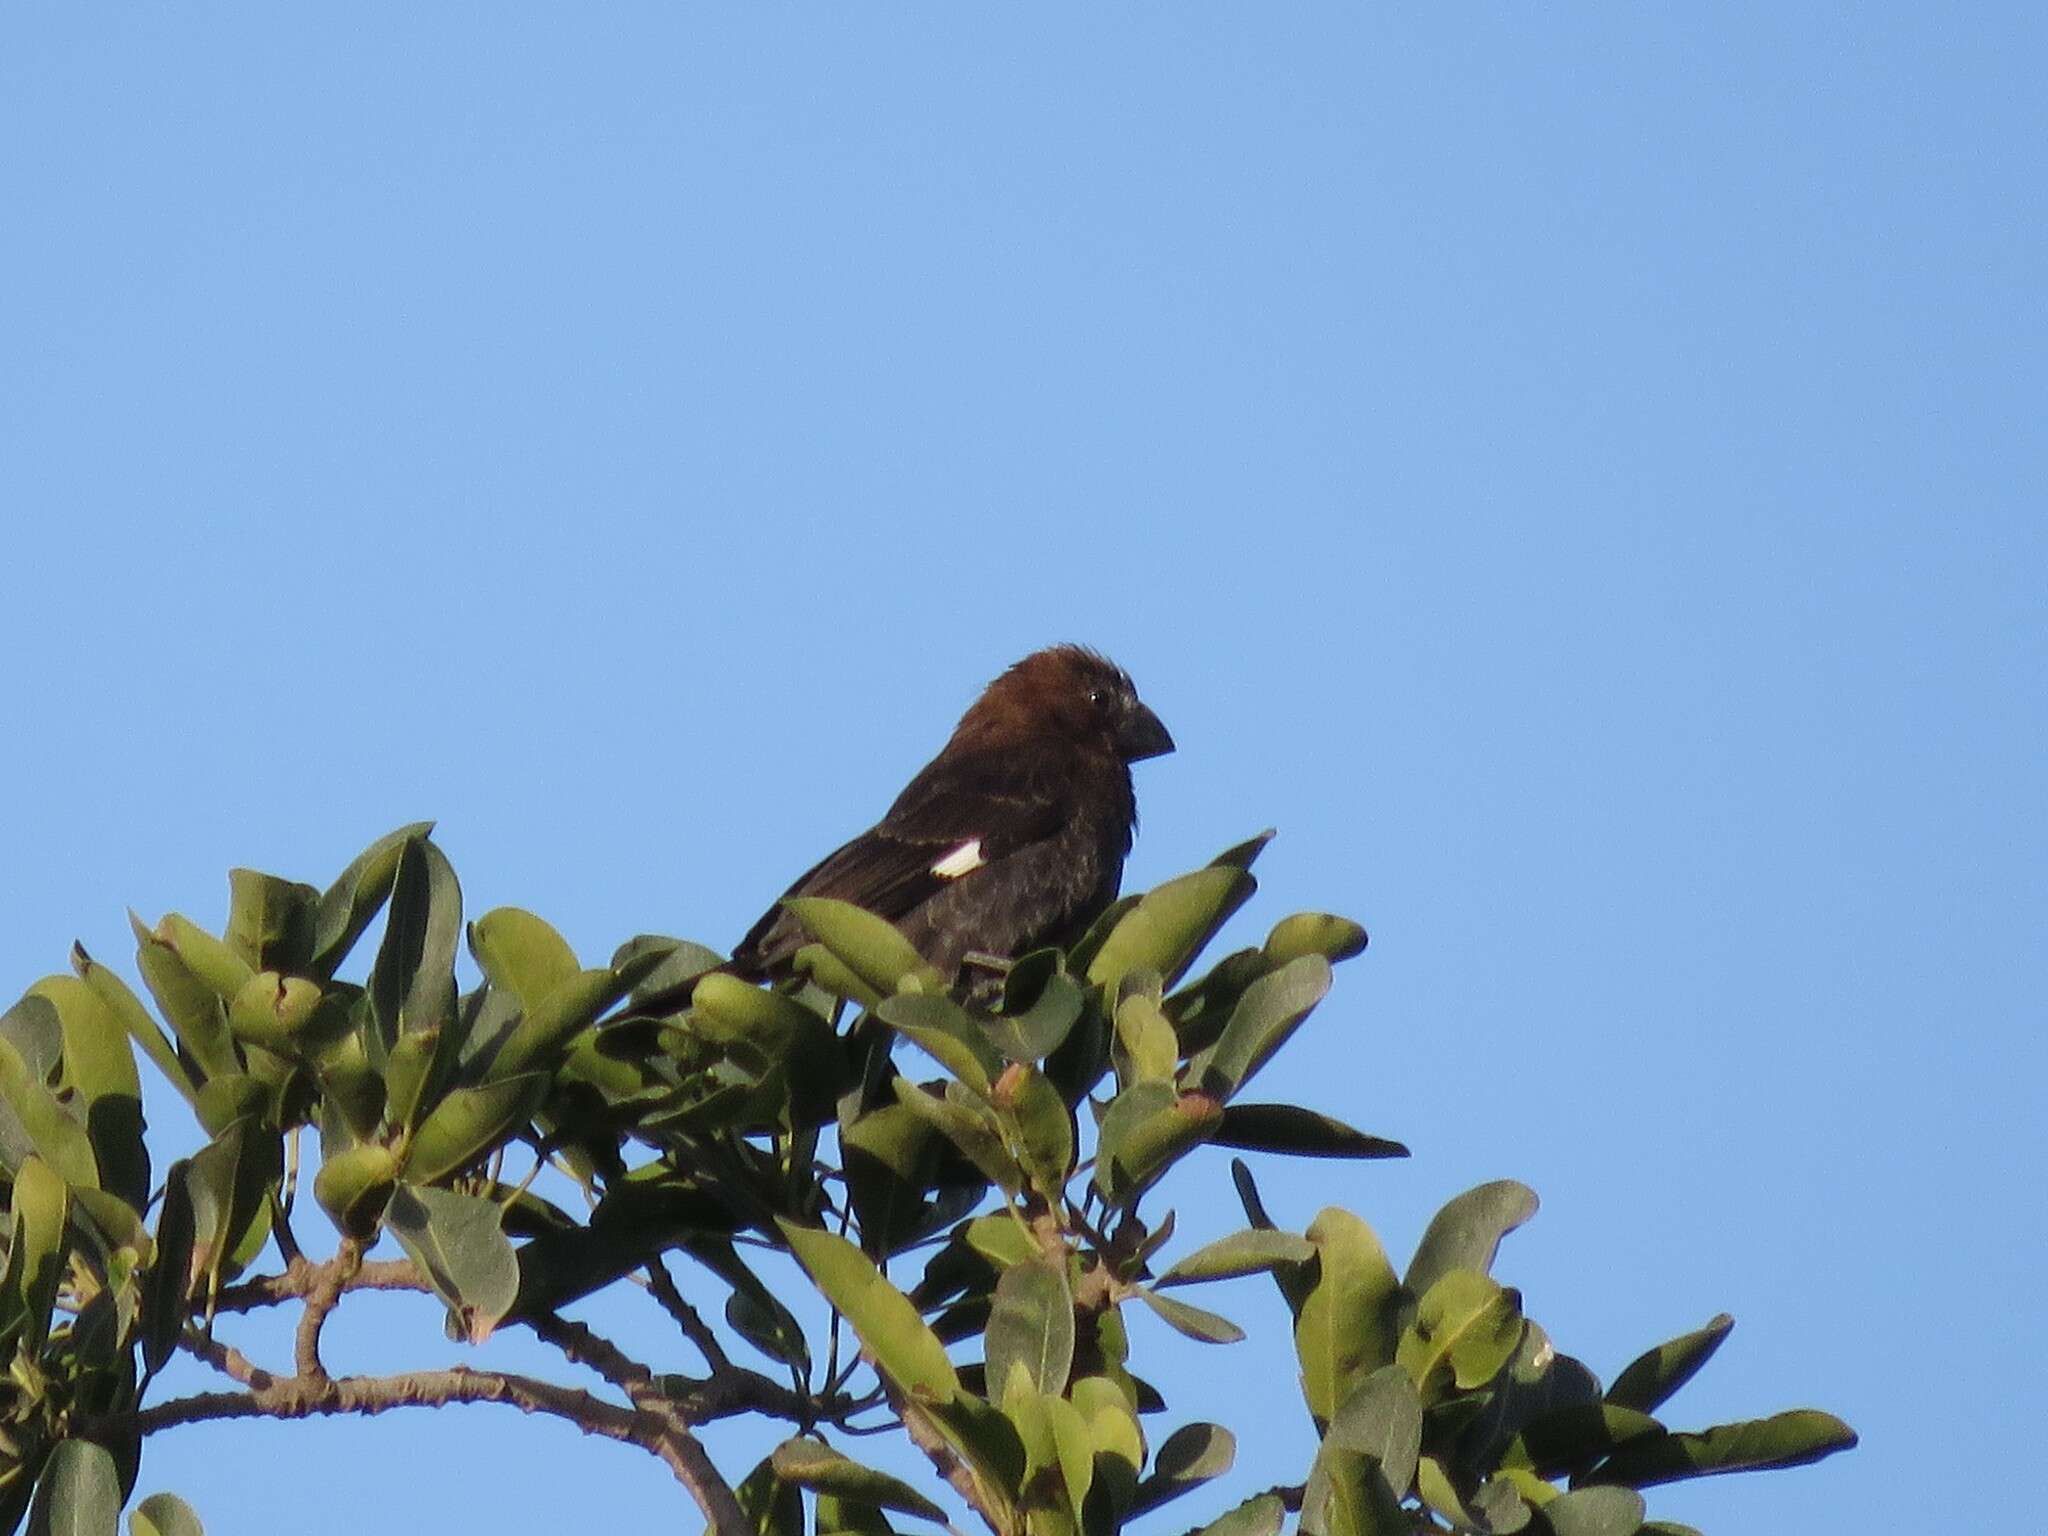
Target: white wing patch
point(963, 860)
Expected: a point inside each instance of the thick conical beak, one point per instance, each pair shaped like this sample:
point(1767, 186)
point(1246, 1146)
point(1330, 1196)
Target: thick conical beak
point(1142, 736)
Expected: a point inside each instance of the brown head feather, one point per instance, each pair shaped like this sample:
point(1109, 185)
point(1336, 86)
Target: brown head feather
point(1068, 692)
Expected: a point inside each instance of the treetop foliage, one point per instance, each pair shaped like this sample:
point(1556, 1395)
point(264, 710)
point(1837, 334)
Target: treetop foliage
point(971, 1207)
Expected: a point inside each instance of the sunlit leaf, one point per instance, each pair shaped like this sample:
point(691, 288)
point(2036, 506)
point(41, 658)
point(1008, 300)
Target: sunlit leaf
point(810, 1464)
point(891, 1331)
point(1345, 1329)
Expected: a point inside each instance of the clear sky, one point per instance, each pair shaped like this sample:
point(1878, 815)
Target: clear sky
point(1577, 471)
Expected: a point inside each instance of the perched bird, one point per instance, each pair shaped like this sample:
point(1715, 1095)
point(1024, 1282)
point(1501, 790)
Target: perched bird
point(1012, 837)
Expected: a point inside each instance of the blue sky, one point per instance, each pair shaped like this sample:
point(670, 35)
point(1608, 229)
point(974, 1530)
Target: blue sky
point(1578, 473)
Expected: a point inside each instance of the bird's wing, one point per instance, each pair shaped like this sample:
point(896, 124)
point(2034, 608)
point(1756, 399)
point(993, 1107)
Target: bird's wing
point(963, 813)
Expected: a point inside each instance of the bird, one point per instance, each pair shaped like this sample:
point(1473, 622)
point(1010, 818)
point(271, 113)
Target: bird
point(1013, 837)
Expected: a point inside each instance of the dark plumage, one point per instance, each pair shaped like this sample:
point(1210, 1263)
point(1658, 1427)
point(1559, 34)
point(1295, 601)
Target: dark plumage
point(1013, 836)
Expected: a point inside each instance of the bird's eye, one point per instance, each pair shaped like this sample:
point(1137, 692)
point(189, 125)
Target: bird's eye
point(1099, 700)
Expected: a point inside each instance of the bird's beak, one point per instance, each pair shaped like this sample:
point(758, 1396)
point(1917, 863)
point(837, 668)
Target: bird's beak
point(1142, 736)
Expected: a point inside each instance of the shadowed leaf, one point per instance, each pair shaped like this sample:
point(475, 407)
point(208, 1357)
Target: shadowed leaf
point(1031, 1327)
point(459, 1244)
point(79, 1493)
point(1466, 1233)
point(1298, 1132)
point(1784, 1440)
point(1650, 1379)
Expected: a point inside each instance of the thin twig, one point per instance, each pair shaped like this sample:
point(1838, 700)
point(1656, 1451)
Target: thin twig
point(662, 1285)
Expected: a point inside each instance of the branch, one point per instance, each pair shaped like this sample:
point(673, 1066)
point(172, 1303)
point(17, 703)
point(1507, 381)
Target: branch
point(679, 1447)
point(693, 1400)
point(325, 1291)
point(301, 1275)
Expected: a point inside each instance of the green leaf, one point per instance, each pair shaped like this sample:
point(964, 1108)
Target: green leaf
point(1261, 1515)
point(1032, 1033)
point(1195, 1322)
point(1466, 1233)
point(971, 1127)
point(137, 1020)
point(1494, 1507)
point(347, 907)
point(1041, 1127)
point(57, 1138)
point(1575, 1437)
point(890, 1330)
point(1345, 1329)
point(1248, 1252)
point(1595, 1512)
point(772, 1507)
point(412, 984)
point(270, 920)
point(1031, 1327)
point(230, 1180)
point(1189, 1457)
point(164, 1514)
point(1347, 1494)
point(521, 954)
point(808, 1464)
point(1144, 1035)
point(219, 968)
point(1314, 933)
point(987, 1442)
point(886, 1154)
point(196, 1013)
point(1268, 1013)
point(469, 1122)
point(1539, 1380)
point(277, 1012)
point(870, 947)
point(944, 1031)
point(1367, 1460)
point(1116, 1446)
point(1650, 1379)
point(36, 1251)
point(1243, 855)
point(1382, 1418)
point(1001, 1239)
point(459, 1244)
point(1783, 1440)
point(1145, 1130)
point(1466, 1328)
point(99, 1072)
point(1297, 1132)
point(769, 1326)
point(546, 1029)
point(164, 1306)
point(1170, 925)
point(79, 1493)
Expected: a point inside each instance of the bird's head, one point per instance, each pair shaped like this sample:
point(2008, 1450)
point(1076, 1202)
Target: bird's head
point(1074, 693)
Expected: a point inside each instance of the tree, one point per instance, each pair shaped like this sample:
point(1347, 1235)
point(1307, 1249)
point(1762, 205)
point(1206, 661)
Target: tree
point(1012, 1181)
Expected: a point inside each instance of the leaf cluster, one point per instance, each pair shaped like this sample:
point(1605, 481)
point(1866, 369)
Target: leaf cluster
point(1001, 1140)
